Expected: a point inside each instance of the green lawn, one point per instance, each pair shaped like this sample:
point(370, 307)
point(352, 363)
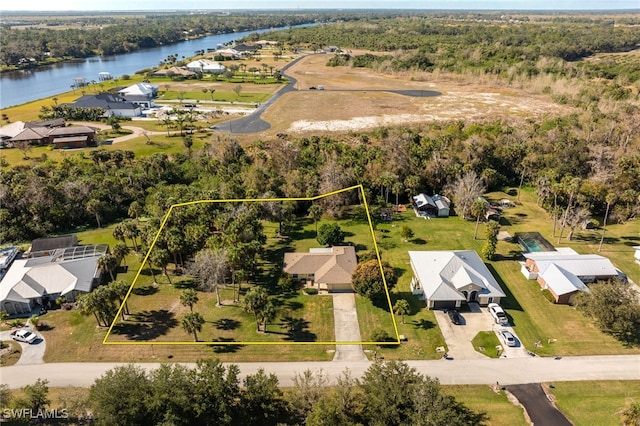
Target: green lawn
point(499, 410)
point(485, 342)
point(594, 402)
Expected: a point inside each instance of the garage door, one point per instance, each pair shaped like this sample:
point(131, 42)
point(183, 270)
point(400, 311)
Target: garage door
point(340, 288)
point(444, 304)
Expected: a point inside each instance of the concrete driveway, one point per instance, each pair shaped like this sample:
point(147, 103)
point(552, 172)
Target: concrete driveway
point(347, 328)
point(458, 337)
point(31, 353)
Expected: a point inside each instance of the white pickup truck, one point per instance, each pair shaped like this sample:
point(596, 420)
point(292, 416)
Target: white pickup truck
point(498, 314)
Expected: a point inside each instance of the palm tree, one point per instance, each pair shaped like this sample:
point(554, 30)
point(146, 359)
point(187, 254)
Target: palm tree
point(108, 263)
point(87, 305)
point(478, 209)
point(120, 251)
point(119, 290)
point(95, 206)
point(161, 258)
point(192, 323)
point(315, 211)
point(402, 308)
point(255, 302)
point(268, 314)
point(610, 199)
point(189, 297)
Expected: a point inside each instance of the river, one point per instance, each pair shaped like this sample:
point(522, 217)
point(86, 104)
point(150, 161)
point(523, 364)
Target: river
point(20, 87)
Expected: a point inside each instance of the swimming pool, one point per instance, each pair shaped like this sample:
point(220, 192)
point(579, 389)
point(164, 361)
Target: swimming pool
point(533, 242)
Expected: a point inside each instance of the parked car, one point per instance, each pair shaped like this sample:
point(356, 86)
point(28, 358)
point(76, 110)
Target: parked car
point(23, 335)
point(455, 317)
point(498, 314)
point(508, 337)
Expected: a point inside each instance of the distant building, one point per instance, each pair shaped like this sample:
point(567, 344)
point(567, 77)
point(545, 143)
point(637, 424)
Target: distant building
point(435, 206)
point(113, 105)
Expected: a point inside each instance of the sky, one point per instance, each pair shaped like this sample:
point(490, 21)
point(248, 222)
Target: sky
point(117, 5)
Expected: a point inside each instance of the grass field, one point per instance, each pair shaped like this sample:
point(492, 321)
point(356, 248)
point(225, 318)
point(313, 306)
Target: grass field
point(499, 410)
point(594, 402)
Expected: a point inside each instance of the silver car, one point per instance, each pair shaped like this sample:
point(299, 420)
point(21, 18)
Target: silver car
point(508, 337)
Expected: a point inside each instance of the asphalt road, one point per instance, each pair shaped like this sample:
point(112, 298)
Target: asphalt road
point(540, 410)
point(507, 371)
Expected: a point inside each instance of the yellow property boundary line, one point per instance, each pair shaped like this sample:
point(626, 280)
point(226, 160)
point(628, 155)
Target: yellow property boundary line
point(245, 200)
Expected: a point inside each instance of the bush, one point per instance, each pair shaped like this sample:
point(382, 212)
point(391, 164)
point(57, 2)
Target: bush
point(310, 290)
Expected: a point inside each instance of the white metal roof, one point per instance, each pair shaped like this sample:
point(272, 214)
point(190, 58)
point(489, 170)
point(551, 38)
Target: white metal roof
point(581, 265)
point(561, 281)
point(443, 274)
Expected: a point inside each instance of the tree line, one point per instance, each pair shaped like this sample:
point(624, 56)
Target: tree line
point(574, 162)
point(389, 393)
point(455, 43)
point(130, 33)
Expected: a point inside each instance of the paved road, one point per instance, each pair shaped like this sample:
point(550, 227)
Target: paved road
point(540, 410)
point(507, 371)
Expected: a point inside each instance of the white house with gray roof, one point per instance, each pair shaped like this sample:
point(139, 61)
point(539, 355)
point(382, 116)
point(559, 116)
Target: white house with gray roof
point(33, 281)
point(447, 279)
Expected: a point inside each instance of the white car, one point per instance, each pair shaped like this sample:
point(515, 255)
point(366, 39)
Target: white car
point(508, 337)
point(23, 335)
point(498, 314)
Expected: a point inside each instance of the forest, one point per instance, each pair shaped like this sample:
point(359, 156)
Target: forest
point(588, 159)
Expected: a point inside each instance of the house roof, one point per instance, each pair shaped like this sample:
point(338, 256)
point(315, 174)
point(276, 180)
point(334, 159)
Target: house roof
point(445, 274)
point(52, 243)
point(72, 130)
point(140, 89)
point(103, 100)
point(30, 278)
point(580, 265)
point(56, 122)
point(561, 281)
point(11, 130)
point(31, 134)
point(334, 265)
point(174, 70)
point(438, 202)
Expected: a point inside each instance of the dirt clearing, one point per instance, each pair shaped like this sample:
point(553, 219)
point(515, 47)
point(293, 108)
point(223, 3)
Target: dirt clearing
point(359, 99)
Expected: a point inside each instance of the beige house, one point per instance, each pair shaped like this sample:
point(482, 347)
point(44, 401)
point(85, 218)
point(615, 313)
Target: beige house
point(328, 269)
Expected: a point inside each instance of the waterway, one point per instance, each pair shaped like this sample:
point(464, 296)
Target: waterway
point(25, 86)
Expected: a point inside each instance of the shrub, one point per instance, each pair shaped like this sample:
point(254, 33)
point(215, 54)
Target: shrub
point(310, 290)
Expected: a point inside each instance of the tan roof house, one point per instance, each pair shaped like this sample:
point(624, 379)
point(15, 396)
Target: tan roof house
point(328, 269)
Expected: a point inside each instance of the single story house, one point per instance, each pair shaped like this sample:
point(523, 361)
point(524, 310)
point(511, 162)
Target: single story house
point(564, 272)
point(72, 137)
point(113, 105)
point(141, 94)
point(173, 71)
point(436, 206)
point(38, 280)
point(227, 53)
point(205, 66)
point(328, 269)
point(446, 279)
